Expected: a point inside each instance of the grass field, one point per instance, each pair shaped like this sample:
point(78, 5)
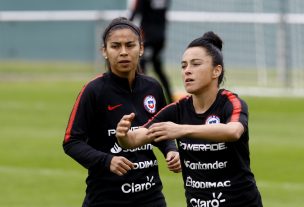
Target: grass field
point(35, 103)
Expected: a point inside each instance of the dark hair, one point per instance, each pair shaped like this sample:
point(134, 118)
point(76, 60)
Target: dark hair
point(121, 23)
point(213, 45)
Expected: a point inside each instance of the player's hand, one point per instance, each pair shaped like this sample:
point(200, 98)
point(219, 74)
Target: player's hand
point(163, 131)
point(173, 162)
point(120, 165)
point(124, 125)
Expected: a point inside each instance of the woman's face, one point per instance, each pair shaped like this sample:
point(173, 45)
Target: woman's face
point(198, 72)
point(122, 50)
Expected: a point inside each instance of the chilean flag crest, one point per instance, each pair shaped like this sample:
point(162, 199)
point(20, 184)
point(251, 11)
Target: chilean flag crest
point(150, 104)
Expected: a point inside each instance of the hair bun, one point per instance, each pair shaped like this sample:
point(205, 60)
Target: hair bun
point(214, 39)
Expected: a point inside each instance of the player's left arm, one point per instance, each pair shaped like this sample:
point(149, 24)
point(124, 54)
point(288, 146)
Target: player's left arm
point(230, 131)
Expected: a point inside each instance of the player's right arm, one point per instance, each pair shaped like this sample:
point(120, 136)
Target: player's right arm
point(130, 139)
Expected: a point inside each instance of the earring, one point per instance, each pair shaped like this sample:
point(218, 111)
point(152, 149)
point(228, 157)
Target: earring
point(106, 57)
point(140, 55)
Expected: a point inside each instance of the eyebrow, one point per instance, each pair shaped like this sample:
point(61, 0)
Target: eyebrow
point(192, 60)
point(196, 60)
point(128, 42)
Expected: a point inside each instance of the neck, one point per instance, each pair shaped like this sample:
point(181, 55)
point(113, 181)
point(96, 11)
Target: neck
point(131, 77)
point(203, 101)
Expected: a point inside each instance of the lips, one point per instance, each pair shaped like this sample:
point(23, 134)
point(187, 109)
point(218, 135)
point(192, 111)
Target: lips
point(124, 61)
point(187, 80)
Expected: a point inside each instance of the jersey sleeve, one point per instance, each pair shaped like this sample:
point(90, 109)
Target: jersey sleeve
point(168, 113)
point(236, 110)
point(75, 140)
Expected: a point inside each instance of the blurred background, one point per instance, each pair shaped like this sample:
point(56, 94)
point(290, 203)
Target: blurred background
point(49, 49)
point(263, 40)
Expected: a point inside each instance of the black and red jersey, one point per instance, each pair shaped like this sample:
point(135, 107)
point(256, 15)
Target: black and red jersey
point(216, 173)
point(90, 140)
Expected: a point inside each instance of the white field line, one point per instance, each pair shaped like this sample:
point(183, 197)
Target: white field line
point(38, 171)
point(270, 92)
point(178, 16)
point(59, 172)
point(257, 91)
point(281, 185)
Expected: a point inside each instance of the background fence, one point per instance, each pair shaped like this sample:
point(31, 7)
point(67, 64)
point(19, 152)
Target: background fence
point(263, 40)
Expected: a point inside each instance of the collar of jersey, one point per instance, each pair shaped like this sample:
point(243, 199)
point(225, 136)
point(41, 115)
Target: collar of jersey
point(122, 82)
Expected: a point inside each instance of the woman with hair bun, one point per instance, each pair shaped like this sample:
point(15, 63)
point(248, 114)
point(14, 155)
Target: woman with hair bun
point(211, 129)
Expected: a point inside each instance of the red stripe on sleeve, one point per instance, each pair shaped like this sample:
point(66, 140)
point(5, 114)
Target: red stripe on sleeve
point(73, 113)
point(151, 119)
point(72, 117)
point(174, 103)
point(236, 105)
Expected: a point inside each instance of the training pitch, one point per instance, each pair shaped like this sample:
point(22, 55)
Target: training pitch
point(35, 172)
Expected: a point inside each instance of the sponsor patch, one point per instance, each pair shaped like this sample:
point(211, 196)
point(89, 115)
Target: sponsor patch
point(202, 147)
point(214, 202)
point(207, 184)
point(116, 149)
point(138, 187)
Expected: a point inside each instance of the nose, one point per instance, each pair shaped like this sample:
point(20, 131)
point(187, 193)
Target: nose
point(123, 51)
point(187, 70)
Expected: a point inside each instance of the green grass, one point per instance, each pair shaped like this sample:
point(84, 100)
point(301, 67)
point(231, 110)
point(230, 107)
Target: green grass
point(35, 172)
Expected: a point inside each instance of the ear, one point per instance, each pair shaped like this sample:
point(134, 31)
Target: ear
point(217, 71)
point(104, 52)
point(141, 50)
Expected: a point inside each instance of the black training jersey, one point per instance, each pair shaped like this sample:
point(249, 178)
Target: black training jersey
point(214, 173)
point(90, 140)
